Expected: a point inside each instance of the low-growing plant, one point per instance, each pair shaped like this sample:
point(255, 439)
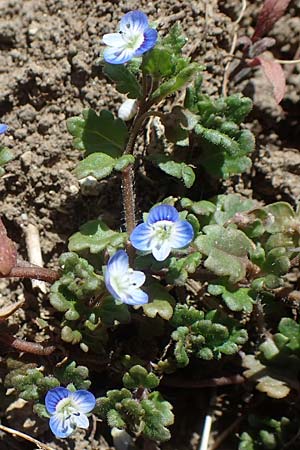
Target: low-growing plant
point(196, 283)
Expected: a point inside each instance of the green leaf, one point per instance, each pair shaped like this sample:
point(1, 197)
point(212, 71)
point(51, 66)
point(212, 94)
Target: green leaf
point(110, 312)
point(227, 250)
point(175, 83)
point(223, 155)
point(72, 373)
point(100, 165)
point(95, 236)
point(227, 206)
point(281, 215)
point(5, 156)
point(178, 170)
point(126, 83)
point(180, 268)
point(235, 299)
point(93, 133)
point(277, 262)
point(264, 377)
point(158, 415)
point(175, 40)
point(161, 302)
point(291, 330)
point(159, 62)
point(139, 377)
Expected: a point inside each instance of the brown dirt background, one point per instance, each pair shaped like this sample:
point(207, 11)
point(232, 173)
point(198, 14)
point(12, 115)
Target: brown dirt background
point(49, 72)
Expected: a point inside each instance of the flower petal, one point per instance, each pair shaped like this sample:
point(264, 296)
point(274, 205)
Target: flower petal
point(136, 297)
point(81, 420)
point(118, 263)
point(54, 396)
point(161, 252)
point(117, 267)
point(141, 237)
point(134, 21)
point(84, 400)
point(150, 38)
point(137, 278)
point(114, 40)
point(3, 128)
point(117, 55)
point(61, 428)
point(182, 234)
point(162, 212)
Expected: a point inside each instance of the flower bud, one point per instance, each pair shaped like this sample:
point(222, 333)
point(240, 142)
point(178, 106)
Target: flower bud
point(128, 109)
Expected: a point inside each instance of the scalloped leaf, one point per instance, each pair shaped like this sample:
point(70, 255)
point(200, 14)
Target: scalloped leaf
point(139, 377)
point(96, 236)
point(161, 302)
point(99, 165)
point(103, 133)
point(235, 299)
point(227, 250)
point(265, 379)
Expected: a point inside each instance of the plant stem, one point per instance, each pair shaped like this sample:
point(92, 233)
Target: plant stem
point(34, 272)
point(128, 192)
point(25, 346)
point(128, 197)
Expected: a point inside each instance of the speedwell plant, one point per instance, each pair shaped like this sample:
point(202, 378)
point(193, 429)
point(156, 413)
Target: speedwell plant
point(183, 283)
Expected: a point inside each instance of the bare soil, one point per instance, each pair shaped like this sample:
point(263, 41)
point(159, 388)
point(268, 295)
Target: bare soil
point(49, 71)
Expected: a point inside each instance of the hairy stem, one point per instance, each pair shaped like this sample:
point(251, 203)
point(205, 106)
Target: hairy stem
point(128, 191)
point(128, 197)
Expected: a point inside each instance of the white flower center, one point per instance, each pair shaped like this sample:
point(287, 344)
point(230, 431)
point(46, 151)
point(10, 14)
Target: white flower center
point(66, 408)
point(133, 40)
point(122, 284)
point(162, 231)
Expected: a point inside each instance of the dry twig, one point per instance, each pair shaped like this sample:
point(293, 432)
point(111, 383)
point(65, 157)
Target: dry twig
point(39, 444)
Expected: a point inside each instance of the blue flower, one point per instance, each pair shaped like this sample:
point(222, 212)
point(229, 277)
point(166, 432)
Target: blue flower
point(3, 128)
point(68, 410)
point(123, 282)
point(162, 232)
point(134, 39)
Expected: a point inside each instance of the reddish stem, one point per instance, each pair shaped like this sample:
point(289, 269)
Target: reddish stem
point(25, 346)
point(34, 272)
